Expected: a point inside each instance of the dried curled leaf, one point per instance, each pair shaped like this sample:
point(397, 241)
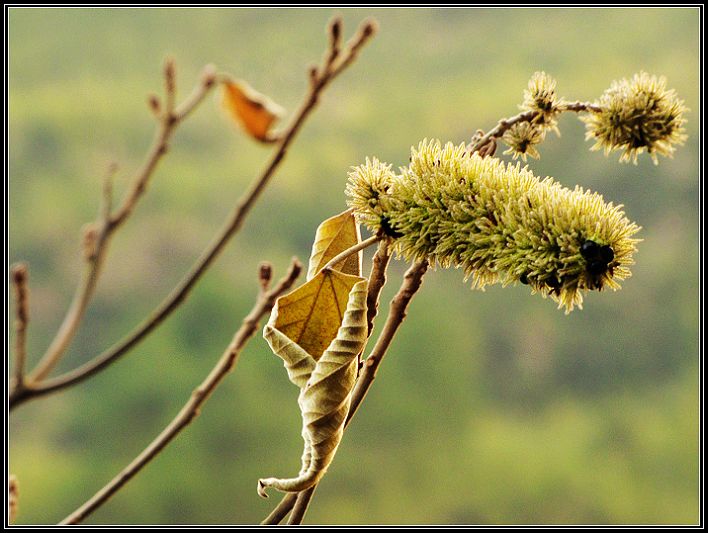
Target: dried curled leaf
point(333, 236)
point(255, 111)
point(326, 385)
point(311, 315)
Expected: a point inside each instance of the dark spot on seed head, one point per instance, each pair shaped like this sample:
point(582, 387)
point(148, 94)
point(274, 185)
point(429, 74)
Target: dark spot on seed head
point(589, 249)
point(607, 254)
point(597, 267)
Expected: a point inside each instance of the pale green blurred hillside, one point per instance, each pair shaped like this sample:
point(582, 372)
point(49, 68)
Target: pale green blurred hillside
point(492, 408)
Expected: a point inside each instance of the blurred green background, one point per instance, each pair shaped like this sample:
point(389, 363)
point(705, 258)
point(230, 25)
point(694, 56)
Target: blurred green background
point(492, 408)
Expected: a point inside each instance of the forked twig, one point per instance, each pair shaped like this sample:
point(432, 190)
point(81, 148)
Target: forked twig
point(527, 116)
point(97, 235)
point(191, 409)
point(319, 80)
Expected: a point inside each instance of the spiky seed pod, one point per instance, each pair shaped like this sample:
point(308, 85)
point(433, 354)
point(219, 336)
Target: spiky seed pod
point(638, 115)
point(500, 223)
point(522, 139)
point(368, 192)
point(541, 97)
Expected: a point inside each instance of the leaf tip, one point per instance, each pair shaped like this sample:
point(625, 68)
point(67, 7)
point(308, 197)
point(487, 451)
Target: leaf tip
point(261, 489)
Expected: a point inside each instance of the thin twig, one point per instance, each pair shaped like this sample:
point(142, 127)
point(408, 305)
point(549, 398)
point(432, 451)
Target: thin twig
point(281, 510)
point(99, 233)
point(366, 30)
point(334, 30)
point(501, 127)
point(301, 505)
point(412, 280)
point(527, 116)
point(170, 88)
point(399, 306)
point(377, 280)
point(353, 250)
point(208, 79)
point(191, 409)
point(580, 107)
point(232, 225)
point(20, 294)
point(107, 197)
point(13, 498)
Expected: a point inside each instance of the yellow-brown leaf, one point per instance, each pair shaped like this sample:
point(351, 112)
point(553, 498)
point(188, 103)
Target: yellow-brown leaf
point(311, 315)
point(333, 236)
point(253, 110)
point(325, 390)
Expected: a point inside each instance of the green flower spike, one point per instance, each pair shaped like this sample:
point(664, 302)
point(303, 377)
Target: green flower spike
point(541, 97)
point(637, 115)
point(368, 191)
point(522, 139)
point(497, 222)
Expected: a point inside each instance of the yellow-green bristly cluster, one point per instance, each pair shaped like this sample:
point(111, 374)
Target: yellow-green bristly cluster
point(638, 115)
point(496, 221)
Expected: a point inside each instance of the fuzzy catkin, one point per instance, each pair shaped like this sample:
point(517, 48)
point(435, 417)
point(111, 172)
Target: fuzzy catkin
point(638, 115)
point(496, 221)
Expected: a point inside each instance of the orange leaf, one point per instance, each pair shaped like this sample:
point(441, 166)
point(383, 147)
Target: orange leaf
point(253, 110)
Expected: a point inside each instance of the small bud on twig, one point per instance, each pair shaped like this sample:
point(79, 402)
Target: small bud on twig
point(19, 273)
point(154, 104)
point(265, 275)
point(369, 28)
point(170, 89)
point(313, 74)
point(335, 29)
point(335, 38)
point(90, 241)
point(12, 498)
point(209, 75)
point(170, 75)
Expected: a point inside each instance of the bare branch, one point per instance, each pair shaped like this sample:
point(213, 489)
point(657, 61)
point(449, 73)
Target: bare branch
point(232, 225)
point(365, 32)
point(377, 280)
point(21, 297)
point(301, 505)
point(170, 88)
point(191, 409)
point(98, 234)
point(527, 116)
point(13, 496)
point(208, 79)
point(107, 198)
point(498, 130)
point(334, 31)
point(580, 107)
point(412, 280)
point(281, 510)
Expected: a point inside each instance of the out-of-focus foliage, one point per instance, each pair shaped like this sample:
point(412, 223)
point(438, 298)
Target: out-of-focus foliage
point(492, 407)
